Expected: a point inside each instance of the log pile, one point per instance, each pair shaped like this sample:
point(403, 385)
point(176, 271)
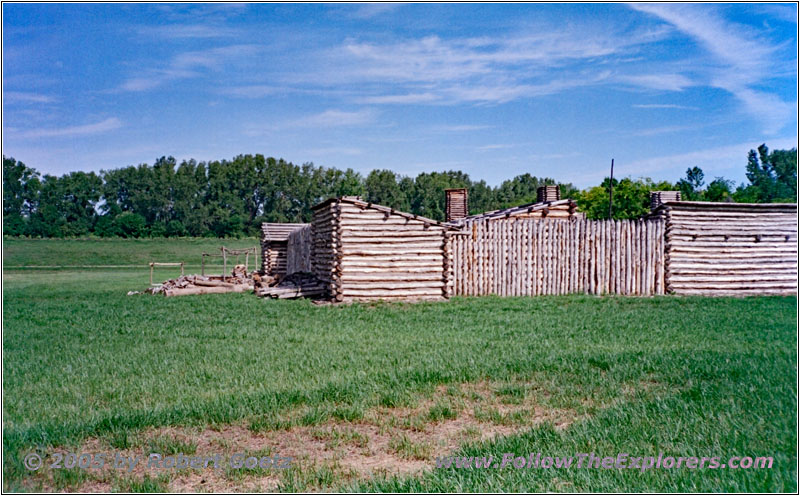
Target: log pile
point(296, 285)
point(734, 249)
point(196, 284)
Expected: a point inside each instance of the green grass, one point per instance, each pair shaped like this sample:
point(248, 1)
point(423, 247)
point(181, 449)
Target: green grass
point(21, 252)
point(711, 377)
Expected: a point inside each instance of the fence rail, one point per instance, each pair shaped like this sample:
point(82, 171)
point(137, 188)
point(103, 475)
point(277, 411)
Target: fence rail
point(525, 257)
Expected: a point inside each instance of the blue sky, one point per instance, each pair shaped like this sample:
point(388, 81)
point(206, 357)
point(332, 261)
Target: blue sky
point(494, 90)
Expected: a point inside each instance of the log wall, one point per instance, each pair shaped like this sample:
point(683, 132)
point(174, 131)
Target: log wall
point(325, 261)
point(273, 260)
point(389, 256)
point(527, 257)
point(730, 249)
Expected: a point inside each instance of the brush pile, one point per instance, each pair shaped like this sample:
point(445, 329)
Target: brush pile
point(296, 285)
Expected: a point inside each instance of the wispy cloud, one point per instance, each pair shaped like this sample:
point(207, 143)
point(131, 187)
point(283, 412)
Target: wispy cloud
point(409, 98)
point(73, 131)
point(190, 64)
point(664, 130)
point(25, 97)
point(187, 31)
point(495, 146)
point(335, 150)
point(458, 128)
point(663, 106)
point(742, 55)
point(484, 69)
point(251, 91)
point(336, 118)
point(371, 10)
point(669, 82)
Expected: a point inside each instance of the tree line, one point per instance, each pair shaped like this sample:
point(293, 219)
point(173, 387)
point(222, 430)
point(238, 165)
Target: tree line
point(231, 198)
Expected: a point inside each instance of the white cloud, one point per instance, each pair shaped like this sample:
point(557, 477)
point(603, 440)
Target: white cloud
point(370, 10)
point(336, 118)
point(408, 98)
point(457, 128)
point(186, 31)
point(485, 69)
point(663, 106)
point(710, 160)
point(72, 131)
point(334, 150)
point(669, 82)
point(252, 91)
point(743, 58)
point(25, 97)
point(190, 64)
point(496, 146)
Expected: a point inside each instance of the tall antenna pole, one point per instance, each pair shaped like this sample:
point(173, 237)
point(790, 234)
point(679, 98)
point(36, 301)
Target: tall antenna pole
point(611, 191)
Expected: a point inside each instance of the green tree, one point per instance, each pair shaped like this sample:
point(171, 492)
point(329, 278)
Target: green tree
point(21, 186)
point(719, 190)
point(383, 187)
point(691, 186)
point(772, 176)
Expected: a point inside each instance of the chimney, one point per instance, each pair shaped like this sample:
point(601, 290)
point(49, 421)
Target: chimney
point(548, 193)
point(659, 197)
point(456, 207)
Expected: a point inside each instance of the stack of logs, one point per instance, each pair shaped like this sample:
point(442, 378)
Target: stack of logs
point(296, 285)
point(239, 282)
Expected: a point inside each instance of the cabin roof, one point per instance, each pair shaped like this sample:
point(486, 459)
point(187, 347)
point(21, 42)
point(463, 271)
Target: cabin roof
point(385, 209)
point(729, 206)
point(520, 209)
point(275, 231)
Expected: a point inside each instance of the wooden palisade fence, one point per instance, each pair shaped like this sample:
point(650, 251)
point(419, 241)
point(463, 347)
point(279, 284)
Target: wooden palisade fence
point(526, 257)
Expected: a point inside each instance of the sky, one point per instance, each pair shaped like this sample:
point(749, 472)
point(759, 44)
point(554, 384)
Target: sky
point(494, 90)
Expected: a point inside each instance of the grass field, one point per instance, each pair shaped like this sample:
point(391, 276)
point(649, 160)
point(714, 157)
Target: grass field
point(20, 252)
point(88, 369)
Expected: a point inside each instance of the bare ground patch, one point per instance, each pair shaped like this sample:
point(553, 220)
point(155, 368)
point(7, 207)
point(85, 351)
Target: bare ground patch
point(326, 454)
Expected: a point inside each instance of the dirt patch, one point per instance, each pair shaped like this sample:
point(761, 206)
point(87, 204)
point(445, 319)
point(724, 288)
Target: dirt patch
point(326, 454)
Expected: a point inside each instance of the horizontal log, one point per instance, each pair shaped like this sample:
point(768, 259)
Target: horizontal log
point(405, 299)
point(392, 273)
point(732, 264)
point(391, 221)
point(389, 251)
point(733, 284)
point(423, 281)
point(714, 245)
point(352, 244)
point(384, 293)
point(736, 292)
point(412, 285)
point(420, 234)
point(733, 233)
point(710, 271)
point(744, 278)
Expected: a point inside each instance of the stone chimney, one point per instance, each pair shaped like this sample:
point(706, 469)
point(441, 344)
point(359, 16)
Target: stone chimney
point(659, 197)
point(457, 206)
point(549, 193)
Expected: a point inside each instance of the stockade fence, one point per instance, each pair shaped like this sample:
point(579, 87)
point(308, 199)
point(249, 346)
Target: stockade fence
point(526, 257)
